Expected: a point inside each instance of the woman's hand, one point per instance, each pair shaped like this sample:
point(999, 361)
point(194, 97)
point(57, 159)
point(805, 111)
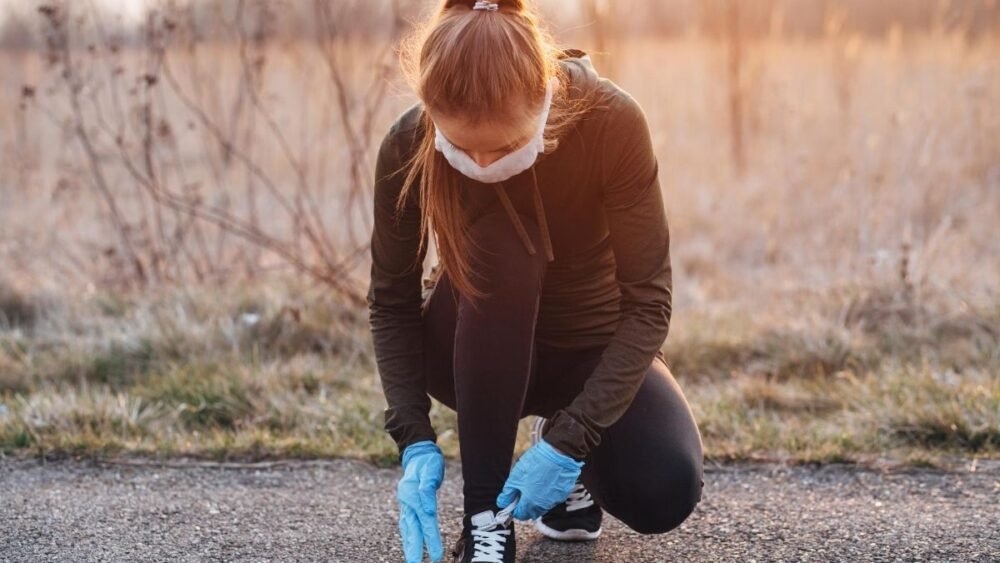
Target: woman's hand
point(423, 473)
point(544, 476)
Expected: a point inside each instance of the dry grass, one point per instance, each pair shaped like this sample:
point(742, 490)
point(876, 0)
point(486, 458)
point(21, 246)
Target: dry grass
point(860, 333)
point(212, 373)
point(837, 301)
point(894, 413)
point(235, 376)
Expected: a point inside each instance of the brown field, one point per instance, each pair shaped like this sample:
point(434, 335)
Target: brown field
point(836, 299)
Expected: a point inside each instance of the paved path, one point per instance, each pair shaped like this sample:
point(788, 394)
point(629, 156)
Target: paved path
point(344, 511)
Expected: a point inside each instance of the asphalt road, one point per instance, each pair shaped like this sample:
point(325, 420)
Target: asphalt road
point(344, 511)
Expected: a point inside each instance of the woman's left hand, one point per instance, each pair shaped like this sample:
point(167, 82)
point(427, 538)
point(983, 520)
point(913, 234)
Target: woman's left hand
point(543, 476)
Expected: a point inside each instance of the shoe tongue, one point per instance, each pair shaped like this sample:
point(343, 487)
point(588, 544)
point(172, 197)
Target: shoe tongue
point(483, 519)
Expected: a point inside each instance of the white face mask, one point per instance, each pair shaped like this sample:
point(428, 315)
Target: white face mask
point(507, 167)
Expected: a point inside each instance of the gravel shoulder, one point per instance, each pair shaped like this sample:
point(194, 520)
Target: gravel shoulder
point(345, 511)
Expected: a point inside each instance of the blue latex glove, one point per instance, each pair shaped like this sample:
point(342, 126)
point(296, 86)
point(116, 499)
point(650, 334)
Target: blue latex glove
point(423, 473)
point(543, 476)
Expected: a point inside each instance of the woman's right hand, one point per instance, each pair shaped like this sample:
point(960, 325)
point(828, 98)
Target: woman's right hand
point(423, 473)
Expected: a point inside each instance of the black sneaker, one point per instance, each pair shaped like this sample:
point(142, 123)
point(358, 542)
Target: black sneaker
point(487, 537)
point(578, 518)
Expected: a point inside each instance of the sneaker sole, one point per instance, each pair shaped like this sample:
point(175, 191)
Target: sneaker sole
point(573, 534)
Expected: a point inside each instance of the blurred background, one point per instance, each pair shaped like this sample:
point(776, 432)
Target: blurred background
point(185, 206)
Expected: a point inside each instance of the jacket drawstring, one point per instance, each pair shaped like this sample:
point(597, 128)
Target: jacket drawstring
point(543, 223)
point(539, 217)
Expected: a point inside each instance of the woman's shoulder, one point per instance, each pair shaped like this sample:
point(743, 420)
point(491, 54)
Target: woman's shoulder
point(409, 121)
point(404, 134)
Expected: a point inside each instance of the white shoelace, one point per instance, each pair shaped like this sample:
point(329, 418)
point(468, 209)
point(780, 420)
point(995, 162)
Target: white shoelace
point(489, 545)
point(488, 537)
point(579, 498)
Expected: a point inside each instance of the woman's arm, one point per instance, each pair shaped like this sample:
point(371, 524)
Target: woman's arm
point(633, 204)
point(395, 298)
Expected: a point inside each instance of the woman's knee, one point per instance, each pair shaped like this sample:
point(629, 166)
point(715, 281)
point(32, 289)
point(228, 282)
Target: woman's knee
point(669, 502)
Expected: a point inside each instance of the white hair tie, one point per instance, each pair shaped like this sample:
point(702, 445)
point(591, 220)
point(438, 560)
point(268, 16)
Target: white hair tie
point(485, 5)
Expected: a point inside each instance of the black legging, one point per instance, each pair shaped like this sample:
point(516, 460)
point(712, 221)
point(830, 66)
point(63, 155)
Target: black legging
point(486, 365)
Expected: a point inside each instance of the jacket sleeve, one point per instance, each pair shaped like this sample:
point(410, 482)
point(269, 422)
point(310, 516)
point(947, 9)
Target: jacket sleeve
point(633, 205)
point(395, 298)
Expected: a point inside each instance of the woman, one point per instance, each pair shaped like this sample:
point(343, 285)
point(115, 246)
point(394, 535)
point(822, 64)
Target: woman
point(553, 297)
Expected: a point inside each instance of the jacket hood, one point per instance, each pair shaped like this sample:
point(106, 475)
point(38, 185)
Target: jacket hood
point(580, 67)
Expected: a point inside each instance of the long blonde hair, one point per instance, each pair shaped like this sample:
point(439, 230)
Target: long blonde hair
point(472, 63)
